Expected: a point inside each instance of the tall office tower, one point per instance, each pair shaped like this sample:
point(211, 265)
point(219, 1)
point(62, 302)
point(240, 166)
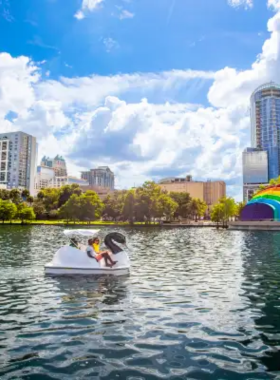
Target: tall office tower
point(18, 161)
point(100, 177)
point(58, 164)
point(265, 124)
point(255, 171)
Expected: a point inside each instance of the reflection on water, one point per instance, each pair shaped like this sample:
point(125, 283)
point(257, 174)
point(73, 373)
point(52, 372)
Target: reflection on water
point(199, 304)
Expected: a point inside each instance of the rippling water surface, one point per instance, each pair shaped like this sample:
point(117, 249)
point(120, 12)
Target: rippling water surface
point(199, 304)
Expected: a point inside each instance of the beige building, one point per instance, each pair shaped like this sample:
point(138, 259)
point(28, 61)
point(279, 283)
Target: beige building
point(58, 182)
point(102, 192)
point(210, 191)
point(58, 164)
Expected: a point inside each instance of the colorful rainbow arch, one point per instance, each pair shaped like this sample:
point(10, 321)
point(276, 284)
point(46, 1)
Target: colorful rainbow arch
point(265, 205)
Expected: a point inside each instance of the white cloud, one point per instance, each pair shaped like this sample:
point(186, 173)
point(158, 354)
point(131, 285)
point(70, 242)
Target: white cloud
point(17, 77)
point(79, 15)
point(125, 14)
point(154, 139)
point(88, 92)
point(235, 87)
point(87, 6)
point(241, 3)
point(274, 4)
point(93, 120)
point(110, 44)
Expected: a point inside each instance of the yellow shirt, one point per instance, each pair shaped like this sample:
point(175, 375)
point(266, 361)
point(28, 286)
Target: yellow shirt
point(96, 247)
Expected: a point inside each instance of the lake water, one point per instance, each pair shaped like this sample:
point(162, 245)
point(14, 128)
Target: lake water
point(199, 304)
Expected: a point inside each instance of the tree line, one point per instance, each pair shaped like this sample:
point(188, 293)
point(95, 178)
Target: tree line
point(226, 209)
point(147, 203)
point(16, 205)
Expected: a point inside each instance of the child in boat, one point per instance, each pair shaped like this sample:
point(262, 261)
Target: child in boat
point(94, 252)
point(96, 247)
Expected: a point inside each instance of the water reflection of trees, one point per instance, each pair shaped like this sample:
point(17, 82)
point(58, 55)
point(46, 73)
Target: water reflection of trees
point(28, 245)
point(262, 288)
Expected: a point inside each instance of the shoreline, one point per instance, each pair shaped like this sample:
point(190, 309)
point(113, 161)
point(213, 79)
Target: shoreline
point(254, 226)
point(167, 225)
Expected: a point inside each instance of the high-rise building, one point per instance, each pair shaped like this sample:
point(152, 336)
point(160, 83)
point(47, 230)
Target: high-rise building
point(58, 182)
point(43, 177)
point(265, 124)
point(255, 171)
point(58, 163)
point(100, 177)
point(46, 178)
point(210, 191)
point(18, 161)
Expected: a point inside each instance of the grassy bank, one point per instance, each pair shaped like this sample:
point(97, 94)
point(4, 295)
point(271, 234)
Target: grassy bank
point(64, 223)
point(99, 223)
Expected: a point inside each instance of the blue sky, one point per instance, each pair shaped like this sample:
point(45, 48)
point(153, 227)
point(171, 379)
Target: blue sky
point(189, 53)
point(162, 35)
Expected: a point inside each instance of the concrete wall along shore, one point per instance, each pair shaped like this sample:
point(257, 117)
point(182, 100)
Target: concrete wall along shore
point(255, 226)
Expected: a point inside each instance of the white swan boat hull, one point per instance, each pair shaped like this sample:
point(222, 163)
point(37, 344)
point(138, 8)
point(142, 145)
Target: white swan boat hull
point(49, 269)
point(68, 260)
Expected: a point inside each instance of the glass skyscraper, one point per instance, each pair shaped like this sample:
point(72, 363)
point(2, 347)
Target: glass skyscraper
point(255, 171)
point(265, 124)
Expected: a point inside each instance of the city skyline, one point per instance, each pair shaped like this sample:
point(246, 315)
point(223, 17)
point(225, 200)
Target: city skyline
point(261, 161)
point(169, 103)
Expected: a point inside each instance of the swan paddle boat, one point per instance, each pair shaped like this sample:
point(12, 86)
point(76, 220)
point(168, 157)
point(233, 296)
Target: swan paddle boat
point(75, 260)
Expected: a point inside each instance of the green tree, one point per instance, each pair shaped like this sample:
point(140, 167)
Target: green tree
point(15, 196)
point(224, 210)
point(25, 194)
point(274, 181)
point(71, 209)
point(41, 195)
point(230, 207)
point(4, 194)
point(197, 208)
point(166, 207)
point(82, 207)
point(50, 198)
point(66, 191)
point(129, 207)
point(25, 213)
point(90, 206)
point(184, 204)
point(147, 201)
point(218, 213)
point(30, 200)
point(8, 210)
point(113, 205)
point(39, 208)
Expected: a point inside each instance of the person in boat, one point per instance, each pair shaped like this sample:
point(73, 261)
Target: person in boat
point(94, 252)
point(96, 247)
